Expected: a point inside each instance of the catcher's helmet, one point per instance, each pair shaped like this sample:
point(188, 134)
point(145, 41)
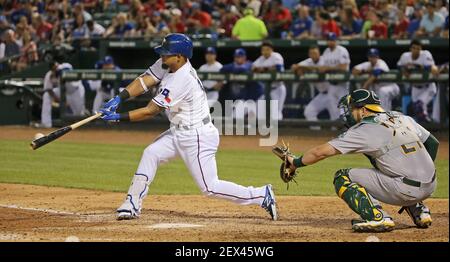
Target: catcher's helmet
point(175, 44)
point(357, 99)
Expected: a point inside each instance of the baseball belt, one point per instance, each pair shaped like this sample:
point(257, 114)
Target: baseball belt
point(205, 121)
point(416, 183)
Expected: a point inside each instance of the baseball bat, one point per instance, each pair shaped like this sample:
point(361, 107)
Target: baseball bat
point(37, 143)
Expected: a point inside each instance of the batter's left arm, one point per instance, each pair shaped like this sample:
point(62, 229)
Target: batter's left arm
point(140, 114)
point(147, 112)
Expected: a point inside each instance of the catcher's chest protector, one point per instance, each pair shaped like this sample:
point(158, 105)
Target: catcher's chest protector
point(403, 133)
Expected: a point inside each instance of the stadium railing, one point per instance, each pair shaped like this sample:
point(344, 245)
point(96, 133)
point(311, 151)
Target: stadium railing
point(391, 76)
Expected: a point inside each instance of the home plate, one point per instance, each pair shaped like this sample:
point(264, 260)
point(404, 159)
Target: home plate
point(174, 225)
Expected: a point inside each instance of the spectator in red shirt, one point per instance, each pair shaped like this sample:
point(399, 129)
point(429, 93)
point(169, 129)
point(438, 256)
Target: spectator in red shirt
point(227, 19)
point(176, 24)
point(136, 7)
point(198, 18)
point(379, 28)
point(43, 28)
point(400, 29)
point(90, 5)
point(278, 19)
point(329, 25)
point(28, 51)
point(153, 5)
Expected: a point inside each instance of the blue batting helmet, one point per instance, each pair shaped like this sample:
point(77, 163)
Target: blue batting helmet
point(174, 44)
point(108, 60)
point(331, 36)
point(373, 52)
point(240, 52)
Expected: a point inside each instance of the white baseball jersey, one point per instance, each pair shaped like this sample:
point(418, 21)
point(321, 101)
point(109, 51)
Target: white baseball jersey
point(386, 91)
point(208, 84)
point(74, 97)
point(367, 67)
point(182, 93)
point(320, 86)
point(275, 59)
point(424, 92)
point(336, 57)
point(50, 81)
point(425, 59)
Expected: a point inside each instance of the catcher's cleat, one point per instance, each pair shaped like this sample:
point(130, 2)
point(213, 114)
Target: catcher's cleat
point(419, 213)
point(269, 203)
point(127, 210)
point(384, 225)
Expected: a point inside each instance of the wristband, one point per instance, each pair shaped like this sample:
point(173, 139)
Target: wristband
point(124, 117)
point(124, 95)
point(298, 162)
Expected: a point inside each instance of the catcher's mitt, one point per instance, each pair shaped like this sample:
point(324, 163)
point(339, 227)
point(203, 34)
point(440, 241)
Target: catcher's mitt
point(287, 170)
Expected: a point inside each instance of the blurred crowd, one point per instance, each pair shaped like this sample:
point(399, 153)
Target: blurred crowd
point(26, 25)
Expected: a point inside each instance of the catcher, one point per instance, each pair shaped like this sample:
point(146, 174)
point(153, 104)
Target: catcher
point(401, 152)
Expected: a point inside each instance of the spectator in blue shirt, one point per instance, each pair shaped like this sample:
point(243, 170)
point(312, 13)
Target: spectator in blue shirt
point(445, 28)
point(431, 23)
point(350, 26)
point(159, 24)
point(21, 10)
point(314, 4)
point(290, 4)
point(120, 27)
point(414, 25)
point(301, 27)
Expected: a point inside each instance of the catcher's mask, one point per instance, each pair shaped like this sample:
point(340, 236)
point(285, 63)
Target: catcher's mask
point(357, 99)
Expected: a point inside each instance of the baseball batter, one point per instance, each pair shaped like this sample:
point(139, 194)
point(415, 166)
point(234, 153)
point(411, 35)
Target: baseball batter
point(271, 61)
point(335, 59)
point(52, 93)
point(212, 88)
point(401, 152)
point(191, 136)
point(321, 101)
point(421, 93)
point(375, 67)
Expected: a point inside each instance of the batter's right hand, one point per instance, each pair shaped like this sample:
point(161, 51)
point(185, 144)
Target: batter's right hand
point(112, 104)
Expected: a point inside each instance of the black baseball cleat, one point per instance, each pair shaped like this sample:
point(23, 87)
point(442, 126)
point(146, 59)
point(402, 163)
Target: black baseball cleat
point(269, 203)
point(419, 213)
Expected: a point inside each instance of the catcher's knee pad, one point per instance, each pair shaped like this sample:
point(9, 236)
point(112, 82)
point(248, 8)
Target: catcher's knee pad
point(355, 196)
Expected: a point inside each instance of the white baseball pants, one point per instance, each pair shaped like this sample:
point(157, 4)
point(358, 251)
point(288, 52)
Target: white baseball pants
point(75, 100)
point(424, 94)
point(386, 94)
point(335, 93)
point(197, 147)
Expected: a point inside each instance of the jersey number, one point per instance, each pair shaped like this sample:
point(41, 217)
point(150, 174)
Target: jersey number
point(412, 149)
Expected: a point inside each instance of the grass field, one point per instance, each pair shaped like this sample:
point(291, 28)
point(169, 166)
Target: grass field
point(110, 168)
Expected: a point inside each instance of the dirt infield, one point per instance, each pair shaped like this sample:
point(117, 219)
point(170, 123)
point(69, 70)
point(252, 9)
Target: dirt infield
point(36, 213)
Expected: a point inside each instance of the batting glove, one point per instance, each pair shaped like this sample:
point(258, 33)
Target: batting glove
point(112, 104)
point(110, 115)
